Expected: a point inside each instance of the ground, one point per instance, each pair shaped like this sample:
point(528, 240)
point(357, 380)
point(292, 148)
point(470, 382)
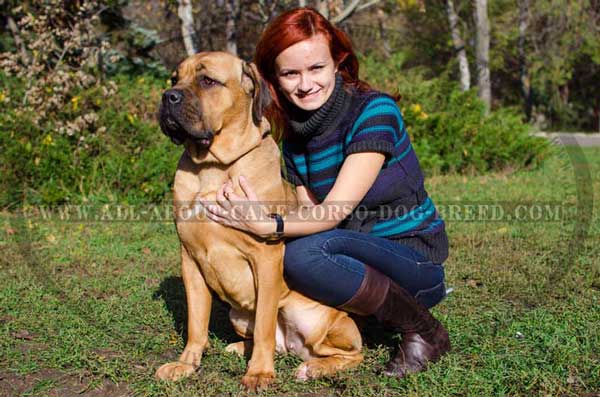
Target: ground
point(93, 308)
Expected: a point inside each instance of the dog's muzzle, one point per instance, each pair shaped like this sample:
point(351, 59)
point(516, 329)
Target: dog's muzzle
point(174, 124)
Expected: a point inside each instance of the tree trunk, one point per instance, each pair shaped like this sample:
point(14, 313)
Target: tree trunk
point(482, 49)
point(459, 47)
point(387, 51)
point(232, 9)
point(350, 9)
point(526, 90)
point(190, 41)
point(323, 8)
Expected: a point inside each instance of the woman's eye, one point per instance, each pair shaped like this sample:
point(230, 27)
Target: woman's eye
point(206, 81)
point(316, 67)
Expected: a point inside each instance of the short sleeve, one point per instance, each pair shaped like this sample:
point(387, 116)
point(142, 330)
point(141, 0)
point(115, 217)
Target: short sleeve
point(290, 171)
point(377, 128)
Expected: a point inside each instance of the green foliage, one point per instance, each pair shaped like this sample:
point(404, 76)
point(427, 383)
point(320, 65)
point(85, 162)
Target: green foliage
point(122, 155)
point(448, 127)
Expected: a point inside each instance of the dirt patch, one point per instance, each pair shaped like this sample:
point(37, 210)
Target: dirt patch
point(55, 383)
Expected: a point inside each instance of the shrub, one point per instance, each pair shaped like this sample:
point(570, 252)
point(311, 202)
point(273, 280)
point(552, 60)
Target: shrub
point(120, 155)
point(448, 127)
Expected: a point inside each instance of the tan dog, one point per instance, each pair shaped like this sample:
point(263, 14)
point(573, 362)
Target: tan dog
point(215, 110)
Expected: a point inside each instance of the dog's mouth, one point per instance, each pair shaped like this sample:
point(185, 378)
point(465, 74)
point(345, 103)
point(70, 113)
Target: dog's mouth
point(180, 131)
point(203, 139)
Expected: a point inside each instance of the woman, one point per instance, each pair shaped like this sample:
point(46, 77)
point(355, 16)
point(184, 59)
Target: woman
point(379, 251)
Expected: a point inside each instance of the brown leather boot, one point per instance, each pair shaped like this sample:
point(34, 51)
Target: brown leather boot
point(424, 339)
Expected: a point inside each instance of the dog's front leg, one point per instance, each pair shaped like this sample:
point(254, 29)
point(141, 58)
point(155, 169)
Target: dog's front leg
point(268, 273)
point(199, 301)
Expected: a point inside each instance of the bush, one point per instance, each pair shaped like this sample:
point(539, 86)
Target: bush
point(448, 127)
point(119, 155)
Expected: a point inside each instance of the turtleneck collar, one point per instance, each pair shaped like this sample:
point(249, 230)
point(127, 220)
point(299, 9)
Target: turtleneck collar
point(308, 124)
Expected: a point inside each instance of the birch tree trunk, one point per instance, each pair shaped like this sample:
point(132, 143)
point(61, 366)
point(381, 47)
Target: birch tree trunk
point(387, 51)
point(482, 49)
point(323, 8)
point(346, 11)
point(232, 10)
point(190, 41)
point(459, 47)
point(526, 90)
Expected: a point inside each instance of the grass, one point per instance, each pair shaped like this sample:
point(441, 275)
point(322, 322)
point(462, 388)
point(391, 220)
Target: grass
point(94, 308)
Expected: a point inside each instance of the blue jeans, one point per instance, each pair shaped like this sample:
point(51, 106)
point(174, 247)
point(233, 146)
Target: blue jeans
point(330, 266)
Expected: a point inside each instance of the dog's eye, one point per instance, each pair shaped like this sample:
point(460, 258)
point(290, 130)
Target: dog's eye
point(207, 82)
point(173, 80)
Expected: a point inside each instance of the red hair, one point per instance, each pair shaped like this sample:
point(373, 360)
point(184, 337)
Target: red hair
point(290, 28)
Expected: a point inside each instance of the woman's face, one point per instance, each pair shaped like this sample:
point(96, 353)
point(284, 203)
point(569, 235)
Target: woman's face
point(306, 72)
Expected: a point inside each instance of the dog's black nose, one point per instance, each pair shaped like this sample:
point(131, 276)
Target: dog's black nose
point(173, 96)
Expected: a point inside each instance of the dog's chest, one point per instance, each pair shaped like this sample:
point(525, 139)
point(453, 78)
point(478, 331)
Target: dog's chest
point(225, 268)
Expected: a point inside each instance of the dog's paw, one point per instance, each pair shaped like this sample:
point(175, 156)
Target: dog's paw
point(257, 381)
point(175, 371)
point(310, 370)
point(242, 348)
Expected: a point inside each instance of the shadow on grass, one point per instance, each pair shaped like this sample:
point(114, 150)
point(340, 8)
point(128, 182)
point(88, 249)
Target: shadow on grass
point(172, 291)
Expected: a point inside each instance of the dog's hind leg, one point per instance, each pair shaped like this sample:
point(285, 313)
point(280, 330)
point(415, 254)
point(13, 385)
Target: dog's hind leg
point(243, 324)
point(319, 367)
point(339, 350)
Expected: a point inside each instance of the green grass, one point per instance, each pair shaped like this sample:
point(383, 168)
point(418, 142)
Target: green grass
point(103, 304)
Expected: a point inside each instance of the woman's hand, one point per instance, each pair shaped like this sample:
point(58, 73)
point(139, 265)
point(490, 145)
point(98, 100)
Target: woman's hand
point(244, 213)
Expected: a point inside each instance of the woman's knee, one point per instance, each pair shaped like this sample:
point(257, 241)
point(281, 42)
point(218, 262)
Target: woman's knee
point(302, 255)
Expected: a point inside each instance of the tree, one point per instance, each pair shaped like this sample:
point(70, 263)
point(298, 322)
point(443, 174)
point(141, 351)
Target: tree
point(232, 15)
point(482, 49)
point(185, 13)
point(343, 10)
point(526, 91)
point(459, 47)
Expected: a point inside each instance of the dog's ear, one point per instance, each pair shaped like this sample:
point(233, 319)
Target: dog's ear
point(253, 84)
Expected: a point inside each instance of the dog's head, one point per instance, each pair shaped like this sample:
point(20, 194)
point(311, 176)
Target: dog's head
point(215, 107)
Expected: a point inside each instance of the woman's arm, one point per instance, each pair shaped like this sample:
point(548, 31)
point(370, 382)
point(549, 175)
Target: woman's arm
point(305, 197)
point(357, 175)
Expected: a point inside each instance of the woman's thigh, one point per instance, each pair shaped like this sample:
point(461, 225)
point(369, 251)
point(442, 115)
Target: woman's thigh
point(330, 266)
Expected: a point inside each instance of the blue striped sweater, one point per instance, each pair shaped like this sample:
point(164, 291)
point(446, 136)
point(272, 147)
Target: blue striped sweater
point(396, 206)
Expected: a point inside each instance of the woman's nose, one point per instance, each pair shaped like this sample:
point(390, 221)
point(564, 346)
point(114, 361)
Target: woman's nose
point(305, 83)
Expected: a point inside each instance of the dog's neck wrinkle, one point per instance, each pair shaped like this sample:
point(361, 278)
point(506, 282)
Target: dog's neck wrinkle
point(211, 175)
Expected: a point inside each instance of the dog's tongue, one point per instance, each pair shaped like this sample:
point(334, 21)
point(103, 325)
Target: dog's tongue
point(204, 142)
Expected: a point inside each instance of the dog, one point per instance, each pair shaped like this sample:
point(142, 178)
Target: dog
point(215, 109)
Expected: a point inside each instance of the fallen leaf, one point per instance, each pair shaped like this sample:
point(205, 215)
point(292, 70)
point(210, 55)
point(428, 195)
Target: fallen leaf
point(474, 283)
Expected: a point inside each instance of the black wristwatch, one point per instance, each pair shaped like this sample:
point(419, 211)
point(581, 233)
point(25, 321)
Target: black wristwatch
point(278, 233)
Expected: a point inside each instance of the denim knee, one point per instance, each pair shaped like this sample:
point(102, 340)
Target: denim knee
point(310, 270)
point(300, 256)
